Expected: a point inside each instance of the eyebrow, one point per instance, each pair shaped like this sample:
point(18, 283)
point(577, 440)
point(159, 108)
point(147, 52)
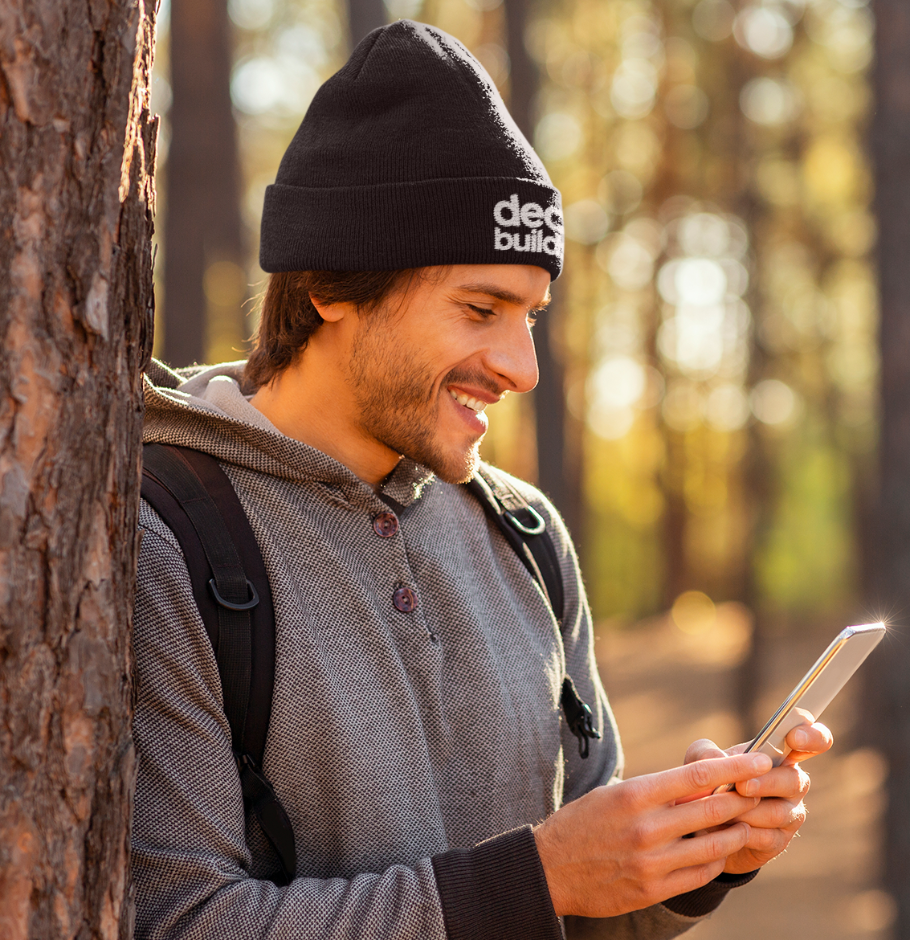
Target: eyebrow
point(506, 296)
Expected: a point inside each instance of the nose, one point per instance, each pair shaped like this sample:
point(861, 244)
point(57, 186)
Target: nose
point(512, 355)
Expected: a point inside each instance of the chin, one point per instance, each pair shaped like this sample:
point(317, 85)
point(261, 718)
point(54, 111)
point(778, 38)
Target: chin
point(454, 467)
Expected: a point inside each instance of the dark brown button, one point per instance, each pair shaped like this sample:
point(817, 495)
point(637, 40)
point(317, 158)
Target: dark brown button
point(385, 525)
point(404, 600)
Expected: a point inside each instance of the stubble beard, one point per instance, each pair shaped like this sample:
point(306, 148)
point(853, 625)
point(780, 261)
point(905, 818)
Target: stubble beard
point(400, 409)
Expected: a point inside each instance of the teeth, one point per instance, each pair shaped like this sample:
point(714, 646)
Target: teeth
point(473, 403)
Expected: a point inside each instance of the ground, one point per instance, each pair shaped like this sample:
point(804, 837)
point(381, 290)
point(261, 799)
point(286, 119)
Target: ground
point(669, 688)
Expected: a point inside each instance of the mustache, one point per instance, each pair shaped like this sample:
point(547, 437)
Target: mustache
point(477, 379)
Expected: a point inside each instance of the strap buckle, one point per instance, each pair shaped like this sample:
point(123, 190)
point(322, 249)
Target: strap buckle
point(536, 526)
point(248, 605)
point(579, 716)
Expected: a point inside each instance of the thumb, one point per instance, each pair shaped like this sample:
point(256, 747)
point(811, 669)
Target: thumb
point(703, 749)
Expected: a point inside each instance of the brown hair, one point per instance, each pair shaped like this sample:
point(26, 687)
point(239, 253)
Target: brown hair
point(289, 319)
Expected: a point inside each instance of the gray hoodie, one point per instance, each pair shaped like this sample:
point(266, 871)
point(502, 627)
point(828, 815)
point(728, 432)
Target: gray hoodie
point(411, 750)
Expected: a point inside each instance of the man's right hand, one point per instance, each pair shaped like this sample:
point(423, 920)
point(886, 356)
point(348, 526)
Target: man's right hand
point(623, 847)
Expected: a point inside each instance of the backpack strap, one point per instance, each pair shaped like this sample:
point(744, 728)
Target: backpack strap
point(526, 531)
point(193, 495)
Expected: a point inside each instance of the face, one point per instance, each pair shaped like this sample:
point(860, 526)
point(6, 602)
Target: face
point(426, 365)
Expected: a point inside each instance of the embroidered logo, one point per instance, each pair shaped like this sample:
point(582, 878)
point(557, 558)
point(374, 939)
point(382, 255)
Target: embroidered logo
point(545, 226)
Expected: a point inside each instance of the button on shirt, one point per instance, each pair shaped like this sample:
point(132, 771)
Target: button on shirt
point(385, 525)
point(404, 600)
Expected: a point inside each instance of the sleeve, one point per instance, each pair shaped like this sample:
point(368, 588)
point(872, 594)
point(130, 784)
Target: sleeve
point(191, 864)
point(604, 764)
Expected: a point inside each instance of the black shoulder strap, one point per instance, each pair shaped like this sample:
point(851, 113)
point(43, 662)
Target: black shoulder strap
point(191, 492)
point(526, 531)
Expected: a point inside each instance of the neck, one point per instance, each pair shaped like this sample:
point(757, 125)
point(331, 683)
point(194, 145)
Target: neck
point(311, 401)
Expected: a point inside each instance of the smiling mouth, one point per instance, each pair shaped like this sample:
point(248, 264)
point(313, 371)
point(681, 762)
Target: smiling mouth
point(475, 404)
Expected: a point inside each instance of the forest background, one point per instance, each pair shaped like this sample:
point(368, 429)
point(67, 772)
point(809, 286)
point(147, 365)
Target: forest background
point(715, 332)
point(709, 409)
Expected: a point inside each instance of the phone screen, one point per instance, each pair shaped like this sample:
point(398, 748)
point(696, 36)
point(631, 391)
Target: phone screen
point(817, 689)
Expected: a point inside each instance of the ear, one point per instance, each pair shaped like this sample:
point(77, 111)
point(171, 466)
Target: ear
point(330, 313)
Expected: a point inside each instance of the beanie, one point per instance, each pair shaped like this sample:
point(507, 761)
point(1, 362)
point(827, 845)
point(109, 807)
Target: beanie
point(407, 157)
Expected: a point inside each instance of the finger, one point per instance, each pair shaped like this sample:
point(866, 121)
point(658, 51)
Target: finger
point(707, 847)
point(768, 843)
point(808, 740)
point(776, 814)
point(699, 776)
point(702, 749)
point(788, 781)
point(708, 813)
point(684, 880)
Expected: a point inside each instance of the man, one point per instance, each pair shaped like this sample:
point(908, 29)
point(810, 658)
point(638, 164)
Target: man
point(415, 738)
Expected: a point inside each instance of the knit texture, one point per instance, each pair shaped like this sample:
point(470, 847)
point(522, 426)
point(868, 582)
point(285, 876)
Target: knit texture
point(502, 907)
point(410, 750)
point(706, 899)
point(407, 157)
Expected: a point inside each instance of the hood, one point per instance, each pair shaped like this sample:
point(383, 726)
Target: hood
point(204, 408)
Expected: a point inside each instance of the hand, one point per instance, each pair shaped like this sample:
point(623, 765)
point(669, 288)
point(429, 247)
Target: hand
point(777, 818)
point(623, 847)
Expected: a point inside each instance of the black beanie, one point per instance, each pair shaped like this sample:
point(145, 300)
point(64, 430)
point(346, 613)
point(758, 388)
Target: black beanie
point(408, 158)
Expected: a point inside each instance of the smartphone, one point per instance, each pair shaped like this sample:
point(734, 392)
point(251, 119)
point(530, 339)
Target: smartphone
point(816, 690)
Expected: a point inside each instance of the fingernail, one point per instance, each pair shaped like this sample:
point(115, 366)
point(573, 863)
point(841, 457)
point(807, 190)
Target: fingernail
point(761, 763)
point(800, 738)
point(749, 787)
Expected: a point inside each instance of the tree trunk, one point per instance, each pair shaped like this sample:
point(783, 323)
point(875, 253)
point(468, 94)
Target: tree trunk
point(560, 481)
point(203, 240)
point(891, 590)
point(363, 17)
point(76, 163)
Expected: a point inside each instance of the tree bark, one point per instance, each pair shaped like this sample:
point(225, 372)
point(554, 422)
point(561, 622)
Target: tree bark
point(891, 587)
point(203, 230)
point(76, 197)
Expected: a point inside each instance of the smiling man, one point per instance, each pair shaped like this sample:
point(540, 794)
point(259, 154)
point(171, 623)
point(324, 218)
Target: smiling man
point(419, 775)
point(414, 378)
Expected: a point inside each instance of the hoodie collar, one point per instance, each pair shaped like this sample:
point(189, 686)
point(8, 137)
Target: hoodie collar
point(204, 408)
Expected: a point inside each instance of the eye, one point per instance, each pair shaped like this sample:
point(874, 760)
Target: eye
point(485, 312)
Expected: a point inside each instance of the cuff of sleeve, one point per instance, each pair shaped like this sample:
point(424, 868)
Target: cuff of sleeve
point(707, 898)
point(496, 889)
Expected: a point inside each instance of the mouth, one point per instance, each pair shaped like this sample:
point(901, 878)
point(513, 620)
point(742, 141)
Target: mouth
point(474, 404)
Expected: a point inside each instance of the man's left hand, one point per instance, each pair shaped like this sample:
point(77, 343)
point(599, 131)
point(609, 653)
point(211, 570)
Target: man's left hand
point(776, 820)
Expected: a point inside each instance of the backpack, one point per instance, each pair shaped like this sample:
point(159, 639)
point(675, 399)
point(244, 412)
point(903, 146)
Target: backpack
point(197, 501)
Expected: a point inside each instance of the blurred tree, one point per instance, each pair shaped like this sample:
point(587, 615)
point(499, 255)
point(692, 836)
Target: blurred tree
point(558, 474)
point(204, 280)
point(77, 151)
point(708, 153)
point(891, 584)
point(363, 17)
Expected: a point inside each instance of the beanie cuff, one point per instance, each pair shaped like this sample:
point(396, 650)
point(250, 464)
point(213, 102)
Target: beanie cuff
point(474, 220)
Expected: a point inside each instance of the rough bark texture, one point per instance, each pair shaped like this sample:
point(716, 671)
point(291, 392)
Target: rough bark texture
point(891, 587)
point(202, 226)
point(76, 158)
